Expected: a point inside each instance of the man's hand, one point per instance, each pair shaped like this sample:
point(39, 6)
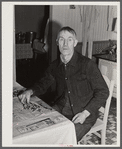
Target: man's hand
point(81, 117)
point(25, 96)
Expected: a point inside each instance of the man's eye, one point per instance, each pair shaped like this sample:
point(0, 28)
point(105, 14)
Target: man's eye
point(70, 39)
point(61, 39)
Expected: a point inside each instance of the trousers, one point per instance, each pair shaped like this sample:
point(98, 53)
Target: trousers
point(81, 129)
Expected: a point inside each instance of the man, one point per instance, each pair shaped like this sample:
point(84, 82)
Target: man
point(80, 87)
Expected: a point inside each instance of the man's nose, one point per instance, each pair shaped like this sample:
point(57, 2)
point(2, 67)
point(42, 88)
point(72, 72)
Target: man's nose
point(65, 42)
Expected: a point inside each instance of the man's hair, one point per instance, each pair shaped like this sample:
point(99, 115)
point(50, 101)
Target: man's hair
point(67, 28)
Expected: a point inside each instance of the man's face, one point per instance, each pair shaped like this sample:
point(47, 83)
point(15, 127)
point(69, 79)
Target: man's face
point(66, 42)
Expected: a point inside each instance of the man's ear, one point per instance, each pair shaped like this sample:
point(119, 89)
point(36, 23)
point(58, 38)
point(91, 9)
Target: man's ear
point(57, 42)
point(76, 41)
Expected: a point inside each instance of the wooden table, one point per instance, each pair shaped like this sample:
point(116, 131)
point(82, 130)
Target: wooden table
point(45, 127)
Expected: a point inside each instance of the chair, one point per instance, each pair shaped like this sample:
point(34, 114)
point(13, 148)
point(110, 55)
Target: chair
point(100, 125)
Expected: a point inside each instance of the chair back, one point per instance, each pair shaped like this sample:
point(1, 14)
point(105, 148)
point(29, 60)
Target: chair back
point(105, 110)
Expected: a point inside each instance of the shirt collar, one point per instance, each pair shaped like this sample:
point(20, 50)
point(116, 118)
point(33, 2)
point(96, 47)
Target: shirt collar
point(73, 60)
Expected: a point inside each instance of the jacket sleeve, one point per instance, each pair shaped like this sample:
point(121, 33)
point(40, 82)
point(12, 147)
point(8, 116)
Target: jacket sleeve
point(99, 87)
point(44, 83)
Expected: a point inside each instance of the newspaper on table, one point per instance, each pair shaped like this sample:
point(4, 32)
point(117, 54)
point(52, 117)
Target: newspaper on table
point(33, 116)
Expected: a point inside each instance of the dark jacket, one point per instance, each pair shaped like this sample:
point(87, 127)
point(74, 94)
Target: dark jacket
point(86, 86)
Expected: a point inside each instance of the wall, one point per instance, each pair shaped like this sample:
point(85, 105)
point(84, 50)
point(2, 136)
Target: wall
point(62, 15)
point(100, 28)
point(29, 18)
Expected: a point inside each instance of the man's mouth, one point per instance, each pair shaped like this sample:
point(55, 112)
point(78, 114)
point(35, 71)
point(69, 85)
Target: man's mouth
point(65, 48)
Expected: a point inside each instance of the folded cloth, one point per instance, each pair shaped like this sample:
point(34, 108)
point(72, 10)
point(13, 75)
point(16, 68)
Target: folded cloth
point(38, 46)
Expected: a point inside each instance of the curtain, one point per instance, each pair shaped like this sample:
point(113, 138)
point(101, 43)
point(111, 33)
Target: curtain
point(89, 17)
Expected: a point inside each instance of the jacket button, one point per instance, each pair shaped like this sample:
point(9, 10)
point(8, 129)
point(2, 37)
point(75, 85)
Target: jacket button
point(66, 78)
point(71, 105)
point(69, 92)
